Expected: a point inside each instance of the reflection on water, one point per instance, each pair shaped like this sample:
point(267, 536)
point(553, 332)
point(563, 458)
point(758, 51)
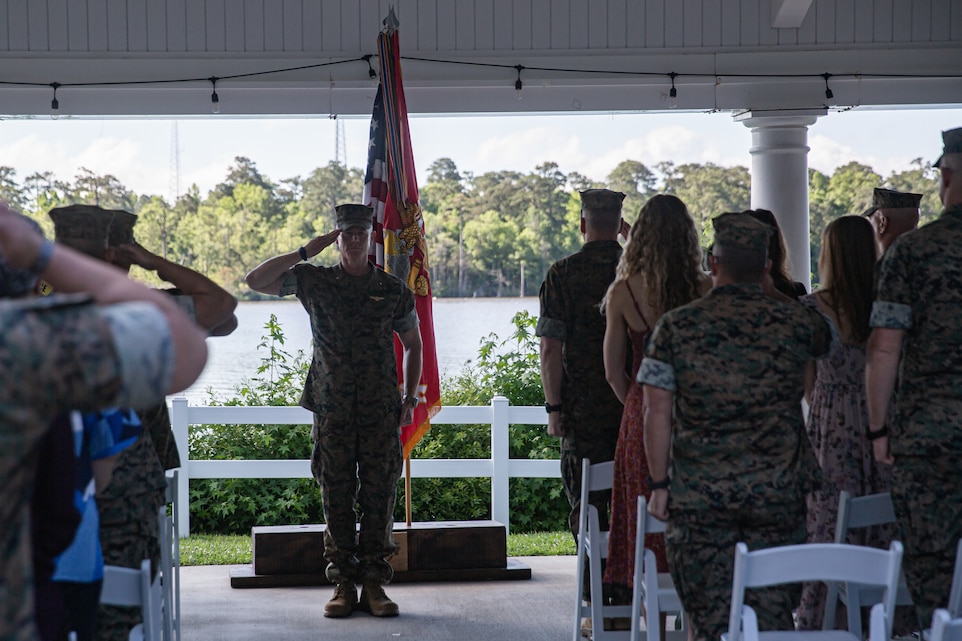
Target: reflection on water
point(459, 326)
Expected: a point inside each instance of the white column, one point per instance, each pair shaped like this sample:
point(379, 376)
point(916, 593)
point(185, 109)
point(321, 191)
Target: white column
point(780, 177)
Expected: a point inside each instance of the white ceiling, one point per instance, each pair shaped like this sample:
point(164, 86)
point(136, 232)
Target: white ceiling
point(728, 54)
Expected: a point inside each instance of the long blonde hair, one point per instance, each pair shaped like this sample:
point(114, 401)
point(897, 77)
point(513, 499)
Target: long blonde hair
point(663, 247)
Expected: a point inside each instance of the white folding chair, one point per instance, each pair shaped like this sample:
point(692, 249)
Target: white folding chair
point(171, 526)
point(133, 588)
point(652, 591)
point(813, 562)
point(592, 550)
point(955, 593)
point(944, 627)
point(853, 514)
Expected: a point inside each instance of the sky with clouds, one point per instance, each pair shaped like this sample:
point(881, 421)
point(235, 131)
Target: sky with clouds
point(139, 152)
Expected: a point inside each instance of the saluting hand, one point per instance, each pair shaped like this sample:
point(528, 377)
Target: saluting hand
point(133, 254)
point(318, 244)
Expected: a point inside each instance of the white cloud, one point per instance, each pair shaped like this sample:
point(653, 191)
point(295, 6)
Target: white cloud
point(827, 154)
point(523, 150)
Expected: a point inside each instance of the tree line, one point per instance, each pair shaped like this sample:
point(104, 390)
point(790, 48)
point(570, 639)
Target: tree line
point(491, 234)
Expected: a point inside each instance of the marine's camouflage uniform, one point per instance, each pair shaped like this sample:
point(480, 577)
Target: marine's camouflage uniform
point(591, 413)
point(920, 291)
point(57, 354)
point(128, 506)
point(352, 388)
point(741, 463)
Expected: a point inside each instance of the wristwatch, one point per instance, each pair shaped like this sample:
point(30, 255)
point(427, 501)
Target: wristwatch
point(549, 408)
point(413, 400)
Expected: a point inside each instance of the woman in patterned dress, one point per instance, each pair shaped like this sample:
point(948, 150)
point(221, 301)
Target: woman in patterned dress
point(660, 269)
point(837, 416)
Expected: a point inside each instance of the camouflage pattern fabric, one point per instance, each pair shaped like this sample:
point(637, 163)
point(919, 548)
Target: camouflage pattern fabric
point(741, 463)
point(701, 554)
point(59, 353)
point(591, 413)
point(927, 495)
point(358, 465)
point(919, 290)
point(128, 524)
point(353, 320)
point(352, 388)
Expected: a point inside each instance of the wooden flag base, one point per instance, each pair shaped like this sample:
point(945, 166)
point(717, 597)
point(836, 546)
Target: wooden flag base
point(293, 555)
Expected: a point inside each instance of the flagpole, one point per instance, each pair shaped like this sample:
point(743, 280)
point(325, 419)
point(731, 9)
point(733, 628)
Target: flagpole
point(407, 489)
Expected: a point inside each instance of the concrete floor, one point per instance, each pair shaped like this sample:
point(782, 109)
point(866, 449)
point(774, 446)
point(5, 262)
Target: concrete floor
point(539, 609)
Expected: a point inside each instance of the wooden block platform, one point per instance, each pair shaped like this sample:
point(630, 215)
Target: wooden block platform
point(292, 555)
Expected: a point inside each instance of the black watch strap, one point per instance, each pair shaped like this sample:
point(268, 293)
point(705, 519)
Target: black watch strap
point(877, 434)
point(658, 485)
point(549, 408)
point(302, 252)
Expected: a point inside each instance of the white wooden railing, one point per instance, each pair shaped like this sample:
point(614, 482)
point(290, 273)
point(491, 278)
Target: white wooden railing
point(499, 468)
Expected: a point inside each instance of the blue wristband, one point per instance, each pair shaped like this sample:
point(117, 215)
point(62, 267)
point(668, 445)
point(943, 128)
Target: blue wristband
point(43, 258)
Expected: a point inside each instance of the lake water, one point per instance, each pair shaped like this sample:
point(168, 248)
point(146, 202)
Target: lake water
point(459, 326)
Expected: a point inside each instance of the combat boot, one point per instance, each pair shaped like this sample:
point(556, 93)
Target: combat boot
point(343, 602)
point(374, 600)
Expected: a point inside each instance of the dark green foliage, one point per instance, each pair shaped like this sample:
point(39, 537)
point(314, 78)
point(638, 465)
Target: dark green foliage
point(508, 368)
point(232, 506)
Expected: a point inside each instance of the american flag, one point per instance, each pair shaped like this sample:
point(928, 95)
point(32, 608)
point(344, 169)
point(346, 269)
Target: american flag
point(398, 245)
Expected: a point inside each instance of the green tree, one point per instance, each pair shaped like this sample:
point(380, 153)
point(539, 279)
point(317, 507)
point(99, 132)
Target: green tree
point(324, 189)
point(919, 179)
point(490, 243)
point(708, 190)
point(106, 191)
point(636, 181)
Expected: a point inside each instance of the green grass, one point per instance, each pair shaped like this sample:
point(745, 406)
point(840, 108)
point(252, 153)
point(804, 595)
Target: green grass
point(208, 549)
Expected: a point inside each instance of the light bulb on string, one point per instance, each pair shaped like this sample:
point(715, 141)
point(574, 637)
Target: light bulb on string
point(829, 95)
point(214, 98)
point(518, 85)
point(370, 70)
point(673, 93)
point(54, 104)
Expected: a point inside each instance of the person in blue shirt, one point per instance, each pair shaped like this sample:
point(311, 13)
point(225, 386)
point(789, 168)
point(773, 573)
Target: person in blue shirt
point(98, 438)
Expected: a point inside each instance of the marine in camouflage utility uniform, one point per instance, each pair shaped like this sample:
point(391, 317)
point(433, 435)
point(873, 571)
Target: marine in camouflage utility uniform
point(352, 389)
point(920, 291)
point(741, 462)
point(590, 412)
point(66, 354)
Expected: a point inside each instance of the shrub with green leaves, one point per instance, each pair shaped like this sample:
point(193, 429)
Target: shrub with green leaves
point(507, 368)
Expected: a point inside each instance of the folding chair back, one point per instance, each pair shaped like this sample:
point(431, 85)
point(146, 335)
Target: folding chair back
point(856, 513)
point(654, 593)
point(592, 549)
point(133, 588)
point(811, 562)
point(170, 527)
point(944, 627)
point(955, 594)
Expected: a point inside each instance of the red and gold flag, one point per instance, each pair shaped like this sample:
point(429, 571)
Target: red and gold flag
point(399, 246)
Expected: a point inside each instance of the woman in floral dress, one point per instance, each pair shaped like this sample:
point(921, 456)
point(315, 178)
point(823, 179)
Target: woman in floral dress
point(836, 395)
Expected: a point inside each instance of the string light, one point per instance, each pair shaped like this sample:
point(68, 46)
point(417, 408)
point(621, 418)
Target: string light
point(518, 84)
point(370, 68)
point(54, 104)
point(214, 98)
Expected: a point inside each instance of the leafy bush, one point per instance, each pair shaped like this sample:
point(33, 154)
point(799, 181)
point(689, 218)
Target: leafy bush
point(508, 368)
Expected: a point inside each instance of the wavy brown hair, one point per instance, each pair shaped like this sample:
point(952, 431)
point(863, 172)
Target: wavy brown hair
point(663, 247)
point(846, 267)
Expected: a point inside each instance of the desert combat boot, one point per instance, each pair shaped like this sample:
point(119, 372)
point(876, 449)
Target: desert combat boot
point(343, 602)
point(374, 600)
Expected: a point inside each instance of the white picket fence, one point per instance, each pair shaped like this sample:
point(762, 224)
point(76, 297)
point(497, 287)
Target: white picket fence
point(499, 468)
